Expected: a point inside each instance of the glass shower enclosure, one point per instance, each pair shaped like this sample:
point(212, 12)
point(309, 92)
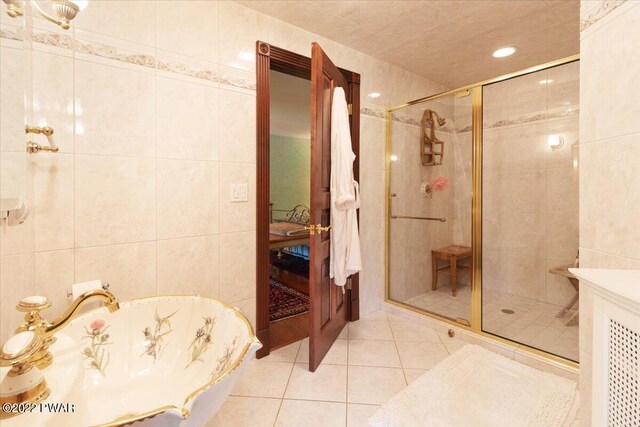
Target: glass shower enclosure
point(430, 206)
point(482, 207)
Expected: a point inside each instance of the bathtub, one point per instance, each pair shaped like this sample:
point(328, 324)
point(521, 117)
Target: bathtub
point(161, 361)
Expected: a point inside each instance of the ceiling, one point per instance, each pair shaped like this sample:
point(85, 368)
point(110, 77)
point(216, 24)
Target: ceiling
point(447, 41)
point(290, 105)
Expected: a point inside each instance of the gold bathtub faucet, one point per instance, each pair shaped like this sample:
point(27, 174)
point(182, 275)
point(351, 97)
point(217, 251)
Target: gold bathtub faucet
point(45, 330)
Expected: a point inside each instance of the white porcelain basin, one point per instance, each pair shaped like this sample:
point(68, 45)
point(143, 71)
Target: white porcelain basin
point(160, 361)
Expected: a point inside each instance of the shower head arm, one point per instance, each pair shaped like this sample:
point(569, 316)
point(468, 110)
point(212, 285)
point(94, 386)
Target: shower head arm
point(441, 120)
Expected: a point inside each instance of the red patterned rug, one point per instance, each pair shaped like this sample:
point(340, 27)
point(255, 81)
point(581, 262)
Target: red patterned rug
point(285, 301)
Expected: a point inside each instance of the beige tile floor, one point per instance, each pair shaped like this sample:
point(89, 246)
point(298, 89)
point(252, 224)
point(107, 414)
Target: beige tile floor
point(372, 360)
point(532, 323)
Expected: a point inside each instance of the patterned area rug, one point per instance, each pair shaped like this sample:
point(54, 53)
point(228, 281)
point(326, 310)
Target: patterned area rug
point(293, 264)
point(285, 301)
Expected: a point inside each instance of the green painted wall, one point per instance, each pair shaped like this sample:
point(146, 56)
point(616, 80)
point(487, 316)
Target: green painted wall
point(290, 172)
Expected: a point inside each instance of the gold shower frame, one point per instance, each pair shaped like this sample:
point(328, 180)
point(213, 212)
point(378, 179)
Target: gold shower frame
point(476, 210)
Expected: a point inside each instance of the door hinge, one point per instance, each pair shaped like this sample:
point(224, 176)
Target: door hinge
point(350, 109)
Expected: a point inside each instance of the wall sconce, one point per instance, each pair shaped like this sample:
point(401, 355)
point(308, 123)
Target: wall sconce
point(66, 10)
point(555, 142)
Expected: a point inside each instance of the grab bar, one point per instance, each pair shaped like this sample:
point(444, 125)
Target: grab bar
point(418, 217)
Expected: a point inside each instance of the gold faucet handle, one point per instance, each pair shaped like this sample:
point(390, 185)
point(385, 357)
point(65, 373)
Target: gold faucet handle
point(33, 303)
point(22, 384)
point(20, 348)
point(33, 320)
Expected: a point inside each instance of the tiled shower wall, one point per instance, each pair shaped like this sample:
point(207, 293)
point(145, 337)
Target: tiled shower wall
point(153, 108)
point(530, 192)
point(411, 241)
point(609, 154)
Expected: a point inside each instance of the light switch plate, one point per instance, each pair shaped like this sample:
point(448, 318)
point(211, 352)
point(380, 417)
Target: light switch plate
point(239, 192)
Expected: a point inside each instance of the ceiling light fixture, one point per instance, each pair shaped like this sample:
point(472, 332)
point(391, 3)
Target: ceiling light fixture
point(504, 51)
point(545, 81)
point(394, 157)
point(66, 10)
point(374, 95)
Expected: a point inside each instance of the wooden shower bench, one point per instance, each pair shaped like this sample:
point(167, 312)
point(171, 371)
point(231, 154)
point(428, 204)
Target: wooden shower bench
point(453, 254)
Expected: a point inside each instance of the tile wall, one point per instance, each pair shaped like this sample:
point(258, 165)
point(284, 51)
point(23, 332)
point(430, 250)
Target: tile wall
point(609, 153)
point(154, 112)
point(16, 175)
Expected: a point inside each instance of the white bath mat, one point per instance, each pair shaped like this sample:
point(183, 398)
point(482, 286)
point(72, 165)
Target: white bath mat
point(477, 388)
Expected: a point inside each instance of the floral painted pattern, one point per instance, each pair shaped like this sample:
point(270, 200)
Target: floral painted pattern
point(153, 341)
point(202, 341)
point(96, 351)
point(225, 360)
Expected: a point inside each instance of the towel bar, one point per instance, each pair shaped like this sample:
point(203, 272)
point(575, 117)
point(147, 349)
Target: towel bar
point(418, 217)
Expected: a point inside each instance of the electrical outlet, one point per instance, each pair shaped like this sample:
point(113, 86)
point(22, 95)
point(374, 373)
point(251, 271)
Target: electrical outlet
point(239, 192)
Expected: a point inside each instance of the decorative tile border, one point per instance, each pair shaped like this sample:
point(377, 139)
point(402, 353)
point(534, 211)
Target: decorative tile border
point(380, 114)
point(547, 115)
point(11, 33)
point(110, 52)
point(63, 41)
point(237, 78)
point(403, 119)
point(605, 8)
point(186, 70)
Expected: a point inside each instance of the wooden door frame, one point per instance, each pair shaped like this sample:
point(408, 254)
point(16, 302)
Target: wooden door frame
point(269, 57)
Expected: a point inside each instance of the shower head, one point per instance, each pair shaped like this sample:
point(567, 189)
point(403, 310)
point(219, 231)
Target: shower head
point(433, 115)
point(441, 120)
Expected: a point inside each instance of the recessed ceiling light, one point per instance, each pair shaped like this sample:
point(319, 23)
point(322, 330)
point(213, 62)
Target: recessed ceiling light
point(504, 51)
point(374, 95)
point(545, 81)
point(394, 157)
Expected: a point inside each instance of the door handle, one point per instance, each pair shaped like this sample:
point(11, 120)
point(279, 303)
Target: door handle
point(319, 228)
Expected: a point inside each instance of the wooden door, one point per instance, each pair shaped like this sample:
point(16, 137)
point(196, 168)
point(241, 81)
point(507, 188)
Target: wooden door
point(328, 308)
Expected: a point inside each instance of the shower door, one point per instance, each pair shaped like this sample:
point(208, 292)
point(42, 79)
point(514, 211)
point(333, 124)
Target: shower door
point(530, 209)
point(429, 188)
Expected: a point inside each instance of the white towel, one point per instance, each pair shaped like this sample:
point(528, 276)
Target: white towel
point(345, 195)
